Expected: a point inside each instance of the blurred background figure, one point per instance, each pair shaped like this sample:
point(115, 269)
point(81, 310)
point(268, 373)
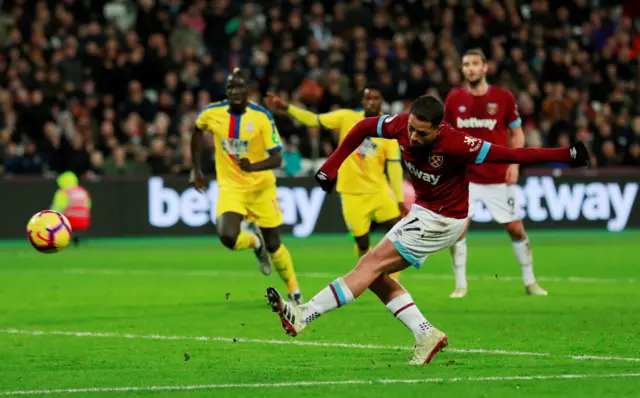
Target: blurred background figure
point(74, 202)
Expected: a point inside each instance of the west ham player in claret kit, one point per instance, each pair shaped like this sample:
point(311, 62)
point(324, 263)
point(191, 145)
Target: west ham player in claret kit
point(436, 156)
point(490, 113)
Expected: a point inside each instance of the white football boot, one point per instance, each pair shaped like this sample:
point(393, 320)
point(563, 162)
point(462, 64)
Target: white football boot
point(427, 346)
point(535, 290)
point(264, 261)
point(289, 312)
point(458, 292)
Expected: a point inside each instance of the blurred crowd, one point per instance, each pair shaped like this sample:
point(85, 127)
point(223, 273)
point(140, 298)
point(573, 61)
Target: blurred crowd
point(113, 87)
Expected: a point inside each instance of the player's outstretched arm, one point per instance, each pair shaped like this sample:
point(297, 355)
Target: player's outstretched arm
point(329, 121)
point(305, 117)
point(576, 155)
point(197, 144)
point(327, 174)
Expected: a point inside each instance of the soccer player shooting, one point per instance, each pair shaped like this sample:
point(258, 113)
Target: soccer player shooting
point(365, 192)
point(490, 113)
point(437, 157)
point(248, 148)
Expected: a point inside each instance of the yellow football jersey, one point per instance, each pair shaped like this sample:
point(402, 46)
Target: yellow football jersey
point(363, 171)
point(252, 135)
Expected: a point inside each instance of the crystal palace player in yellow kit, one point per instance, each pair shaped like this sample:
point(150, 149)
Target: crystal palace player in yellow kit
point(248, 148)
point(363, 186)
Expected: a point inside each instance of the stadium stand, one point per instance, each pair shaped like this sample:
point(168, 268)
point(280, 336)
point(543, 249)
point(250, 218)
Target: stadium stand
point(113, 88)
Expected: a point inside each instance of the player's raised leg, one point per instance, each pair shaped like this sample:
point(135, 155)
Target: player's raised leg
point(283, 263)
point(408, 243)
point(522, 250)
point(459, 263)
point(372, 271)
point(234, 237)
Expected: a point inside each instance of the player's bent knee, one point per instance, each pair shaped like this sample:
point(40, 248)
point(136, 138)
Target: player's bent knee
point(271, 240)
point(516, 230)
point(228, 240)
point(363, 242)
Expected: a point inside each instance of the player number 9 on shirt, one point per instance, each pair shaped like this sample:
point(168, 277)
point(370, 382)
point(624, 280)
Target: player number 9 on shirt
point(49, 232)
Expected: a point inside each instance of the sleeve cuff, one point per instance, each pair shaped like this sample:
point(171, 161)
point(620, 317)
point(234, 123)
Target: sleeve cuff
point(515, 123)
point(483, 152)
point(379, 128)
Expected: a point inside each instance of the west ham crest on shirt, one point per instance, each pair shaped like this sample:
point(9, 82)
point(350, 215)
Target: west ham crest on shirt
point(492, 108)
point(436, 161)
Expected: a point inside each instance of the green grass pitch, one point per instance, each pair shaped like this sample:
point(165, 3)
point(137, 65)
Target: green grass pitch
point(128, 314)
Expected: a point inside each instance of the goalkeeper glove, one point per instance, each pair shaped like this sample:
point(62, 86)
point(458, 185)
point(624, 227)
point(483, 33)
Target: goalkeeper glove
point(579, 155)
point(325, 182)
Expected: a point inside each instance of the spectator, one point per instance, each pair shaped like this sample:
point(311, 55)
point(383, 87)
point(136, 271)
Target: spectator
point(78, 77)
point(292, 158)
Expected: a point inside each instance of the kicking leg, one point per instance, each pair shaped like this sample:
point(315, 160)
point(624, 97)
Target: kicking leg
point(282, 261)
point(522, 250)
point(459, 262)
point(373, 268)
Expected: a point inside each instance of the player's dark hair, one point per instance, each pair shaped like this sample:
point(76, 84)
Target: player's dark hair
point(373, 86)
point(478, 52)
point(428, 109)
point(237, 72)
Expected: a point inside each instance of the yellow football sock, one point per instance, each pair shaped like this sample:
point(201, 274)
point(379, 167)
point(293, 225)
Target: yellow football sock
point(246, 240)
point(281, 259)
point(361, 253)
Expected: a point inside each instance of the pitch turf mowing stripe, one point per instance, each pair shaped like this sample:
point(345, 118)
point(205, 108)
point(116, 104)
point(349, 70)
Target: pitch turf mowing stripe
point(474, 235)
point(321, 383)
point(310, 275)
point(303, 343)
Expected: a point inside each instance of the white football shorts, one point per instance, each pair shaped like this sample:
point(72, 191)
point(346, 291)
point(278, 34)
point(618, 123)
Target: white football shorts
point(499, 199)
point(422, 232)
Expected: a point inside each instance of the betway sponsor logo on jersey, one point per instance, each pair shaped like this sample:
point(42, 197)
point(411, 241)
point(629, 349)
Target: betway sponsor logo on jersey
point(300, 206)
point(475, 123)
point(421, 175)
point(542, 200)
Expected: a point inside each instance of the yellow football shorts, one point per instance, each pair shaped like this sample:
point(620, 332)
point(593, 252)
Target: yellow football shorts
point(359, 210)
point(261, 207)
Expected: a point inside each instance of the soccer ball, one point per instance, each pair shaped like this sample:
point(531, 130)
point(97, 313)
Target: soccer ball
point(49, 231)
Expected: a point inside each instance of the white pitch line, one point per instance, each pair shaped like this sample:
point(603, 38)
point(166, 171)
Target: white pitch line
point(322, 275)
point(319, 383)
point(303, 343)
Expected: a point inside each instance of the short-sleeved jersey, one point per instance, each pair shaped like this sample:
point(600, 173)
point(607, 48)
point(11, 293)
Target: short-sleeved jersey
point(250, 135)
point(363, 171)
point(488, 117)
point(438, 172)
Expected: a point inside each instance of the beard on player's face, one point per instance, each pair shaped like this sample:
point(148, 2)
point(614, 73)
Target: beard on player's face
point(372, 110)
point(475, 82)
